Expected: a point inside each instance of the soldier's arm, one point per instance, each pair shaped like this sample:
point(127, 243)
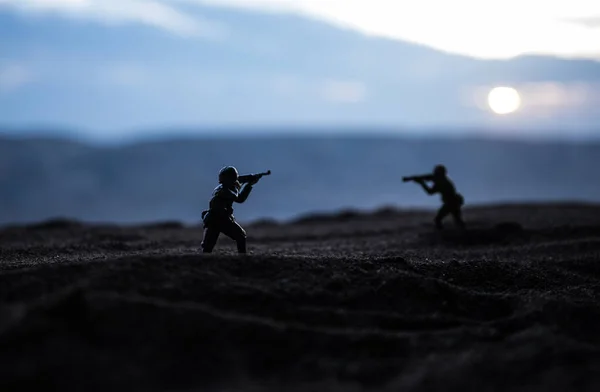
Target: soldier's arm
point(430, 190)
point(244, 193)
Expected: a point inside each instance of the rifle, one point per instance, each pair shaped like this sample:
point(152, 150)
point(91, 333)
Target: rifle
point(423, 177)
point(253, 177)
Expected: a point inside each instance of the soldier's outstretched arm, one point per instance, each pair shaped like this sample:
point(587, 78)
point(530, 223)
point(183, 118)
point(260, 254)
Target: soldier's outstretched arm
point(430, 190)
point(244, 193)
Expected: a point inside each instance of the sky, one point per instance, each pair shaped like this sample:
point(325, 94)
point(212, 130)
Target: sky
point(88, 50)
point(504, 28)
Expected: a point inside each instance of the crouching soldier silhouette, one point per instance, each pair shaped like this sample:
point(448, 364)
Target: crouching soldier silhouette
point(452, 201)
point(219, 216)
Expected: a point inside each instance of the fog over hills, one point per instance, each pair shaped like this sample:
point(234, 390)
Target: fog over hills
point(172, 179)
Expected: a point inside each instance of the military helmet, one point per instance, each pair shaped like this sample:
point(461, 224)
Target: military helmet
point(439, 170)
point(228, 174)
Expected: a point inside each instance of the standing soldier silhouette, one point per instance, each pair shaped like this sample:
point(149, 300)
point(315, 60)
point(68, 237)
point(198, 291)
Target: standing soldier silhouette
point(452, 201)
point(219, 216)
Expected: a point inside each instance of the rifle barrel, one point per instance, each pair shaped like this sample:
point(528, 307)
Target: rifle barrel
point(419, 177)
point(248, 177)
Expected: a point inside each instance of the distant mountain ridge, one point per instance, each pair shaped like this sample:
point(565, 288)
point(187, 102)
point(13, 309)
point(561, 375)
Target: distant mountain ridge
point(173, 179)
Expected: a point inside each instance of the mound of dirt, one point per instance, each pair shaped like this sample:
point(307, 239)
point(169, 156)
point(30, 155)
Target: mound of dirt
point(57, 224)
point(501, 233)
point(164, 225)
point(385, 304)
point(269, 223)
point(341, 216)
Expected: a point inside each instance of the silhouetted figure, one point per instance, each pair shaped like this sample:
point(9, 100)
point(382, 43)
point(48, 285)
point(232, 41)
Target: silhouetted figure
point(219, 216)
point(452, 200)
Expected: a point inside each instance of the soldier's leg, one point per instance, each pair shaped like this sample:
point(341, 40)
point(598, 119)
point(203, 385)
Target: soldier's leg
point(457, 215)
point(442, 213)
point(234, 231)
point(210, 237)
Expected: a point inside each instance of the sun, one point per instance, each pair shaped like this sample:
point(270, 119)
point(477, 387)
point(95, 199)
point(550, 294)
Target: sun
point(504, 100)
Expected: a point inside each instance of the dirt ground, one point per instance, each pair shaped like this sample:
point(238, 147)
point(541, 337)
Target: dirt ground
point(345, 302)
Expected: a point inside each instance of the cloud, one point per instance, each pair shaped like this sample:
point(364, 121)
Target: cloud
point(13, 77)
point(343, 91)
point(587, 22)
point(318, 90)
point(159, 14)
point(487, 29)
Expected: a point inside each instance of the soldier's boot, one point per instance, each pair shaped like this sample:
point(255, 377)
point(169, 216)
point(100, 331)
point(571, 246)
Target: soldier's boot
point(209, 240)
point(241, 246)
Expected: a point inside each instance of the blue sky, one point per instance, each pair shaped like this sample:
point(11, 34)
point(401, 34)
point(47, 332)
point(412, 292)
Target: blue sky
point(114, 67)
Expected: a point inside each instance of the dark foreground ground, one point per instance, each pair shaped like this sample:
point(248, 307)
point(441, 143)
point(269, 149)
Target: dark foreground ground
point(341, 303)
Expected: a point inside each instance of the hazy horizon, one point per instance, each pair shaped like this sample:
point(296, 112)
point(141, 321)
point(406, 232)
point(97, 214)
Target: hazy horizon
point(222, 132)
point(173, 179)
